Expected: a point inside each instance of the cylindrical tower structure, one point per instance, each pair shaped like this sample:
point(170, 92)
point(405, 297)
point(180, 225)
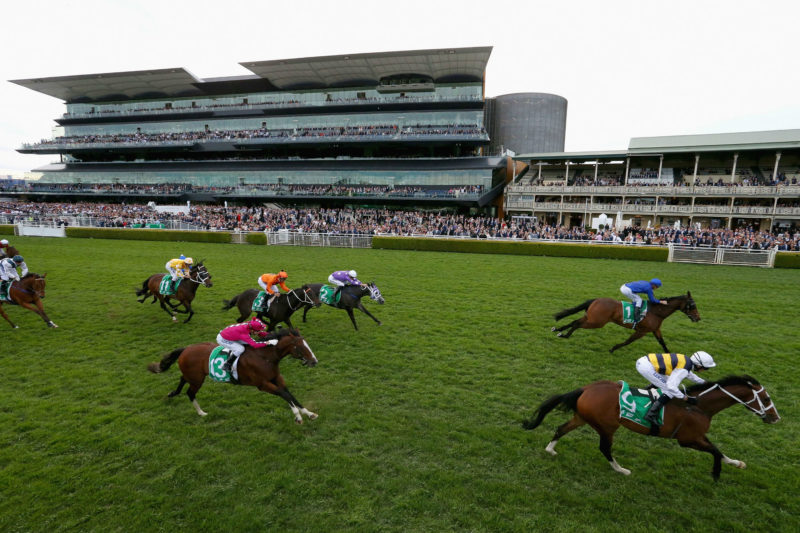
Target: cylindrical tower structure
point(527, 122)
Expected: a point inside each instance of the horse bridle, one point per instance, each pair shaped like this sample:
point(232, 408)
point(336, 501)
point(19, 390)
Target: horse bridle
point(761, 412)
point(199, 279)
point(301, 301)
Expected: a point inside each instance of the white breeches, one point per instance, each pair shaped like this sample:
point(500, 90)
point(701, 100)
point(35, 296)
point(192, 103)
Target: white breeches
point(335, 281)
point(637, 300)
point(645, 368)
point(235, 347)
point(172, 272)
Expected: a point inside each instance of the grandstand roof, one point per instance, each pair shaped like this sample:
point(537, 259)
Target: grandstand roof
point(716, 142)
point(545, 156)
point(448, 64)
point(440, 65)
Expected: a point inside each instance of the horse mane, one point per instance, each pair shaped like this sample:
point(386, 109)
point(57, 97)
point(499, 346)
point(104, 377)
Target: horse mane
point(727, 381)
point(681, 297)
point(30, 275)
point(281, 333)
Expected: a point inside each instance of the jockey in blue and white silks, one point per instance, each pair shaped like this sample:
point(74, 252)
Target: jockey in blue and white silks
point(631, 289)
point(667, 370)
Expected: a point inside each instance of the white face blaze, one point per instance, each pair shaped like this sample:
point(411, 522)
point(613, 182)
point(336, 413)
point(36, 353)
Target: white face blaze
point(313, 357)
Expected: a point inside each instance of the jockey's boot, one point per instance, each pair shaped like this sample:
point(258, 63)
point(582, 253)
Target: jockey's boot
point(637, 315)
point(336, 294)
point(227, 366)
point(652, 413)
point(269, 302)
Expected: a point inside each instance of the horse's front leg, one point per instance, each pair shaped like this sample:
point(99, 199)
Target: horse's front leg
point(364, 310)
point(166, 310)
point(2, 312)
point(352, 317)
point(279, 381)
point(39, 310)
point(305, 310)
point(633, 337)
point(189, 310)
point(275, 388)
point(660, 339)
point(705, 445)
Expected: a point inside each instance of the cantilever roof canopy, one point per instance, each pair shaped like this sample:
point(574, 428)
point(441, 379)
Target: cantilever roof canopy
point(443, 65)
point(137, 84)
point(447, 64)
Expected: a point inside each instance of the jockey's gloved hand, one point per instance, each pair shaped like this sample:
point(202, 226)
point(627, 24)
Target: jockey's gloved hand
point(263, 334)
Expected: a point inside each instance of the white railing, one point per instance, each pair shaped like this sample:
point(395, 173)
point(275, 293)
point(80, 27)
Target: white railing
point(297, 238)
point(721, 256)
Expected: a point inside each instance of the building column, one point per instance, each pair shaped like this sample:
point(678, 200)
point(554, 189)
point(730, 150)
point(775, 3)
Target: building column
point(566, 173)
point(733, 170)
point(775, 170)
point(596, 165)
point(660, 165)
point(540, 170)
point(627, 169)
point(696, 164)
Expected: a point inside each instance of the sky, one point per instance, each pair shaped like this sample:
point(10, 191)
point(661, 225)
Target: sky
point(627, 68)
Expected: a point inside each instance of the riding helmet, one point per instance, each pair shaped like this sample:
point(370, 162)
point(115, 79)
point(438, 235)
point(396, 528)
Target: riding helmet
point(283, 274)
point(256, 324)
point(703, 359)
point(18, 259)
point(189, 261)
point(4, 243)
point(656, 282)
point(352, 274)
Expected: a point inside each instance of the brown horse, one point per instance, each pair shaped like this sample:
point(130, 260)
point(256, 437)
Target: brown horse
point(598, 405)
point(10, 252)
point(28, 292)
point(257, 367)
point(198, 275)
point(601, 311)
point(281, 309)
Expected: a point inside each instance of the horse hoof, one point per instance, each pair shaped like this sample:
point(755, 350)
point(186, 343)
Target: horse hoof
point(313, 416)
point(298, 421)
point(741, 465)
point(16, 327)
point(559, 334)
point(52, 325)
point(553, 328)
point(174, 318)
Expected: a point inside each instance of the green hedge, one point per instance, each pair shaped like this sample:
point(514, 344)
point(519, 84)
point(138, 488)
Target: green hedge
point(603, 251)
point(787, 260)
point(6, 229)
point(256, 238)
point(149, 234)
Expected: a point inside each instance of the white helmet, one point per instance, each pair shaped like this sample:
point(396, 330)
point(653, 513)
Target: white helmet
point(352, 274)
point(188, 261)
point(4, 242)
point(703, 359)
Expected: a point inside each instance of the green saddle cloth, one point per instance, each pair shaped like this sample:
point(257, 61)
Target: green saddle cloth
point(259, 304)
point(627, 312)
point(5, 287)
point(167, 287)
point(634, 403)
point(216, 359)
point(326, 295)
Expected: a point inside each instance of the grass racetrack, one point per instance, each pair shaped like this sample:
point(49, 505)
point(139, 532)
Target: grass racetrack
point(419, 424)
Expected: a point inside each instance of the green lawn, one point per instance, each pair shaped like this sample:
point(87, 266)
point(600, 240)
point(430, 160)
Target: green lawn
point(419, 424)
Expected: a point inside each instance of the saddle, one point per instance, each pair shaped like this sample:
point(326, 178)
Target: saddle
point(634, 403)
point(5, 288)
point(167, 287)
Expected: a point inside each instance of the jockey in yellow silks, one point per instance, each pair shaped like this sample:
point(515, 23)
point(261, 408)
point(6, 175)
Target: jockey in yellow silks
point(179, 268)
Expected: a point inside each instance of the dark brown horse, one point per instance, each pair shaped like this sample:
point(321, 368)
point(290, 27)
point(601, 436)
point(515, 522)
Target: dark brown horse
point(198, 275)
point(9, 252)
point(598, 405)
point(601, 311)
point(28, 293)
point(281, 309)
point(257, 367)
point(351, 299)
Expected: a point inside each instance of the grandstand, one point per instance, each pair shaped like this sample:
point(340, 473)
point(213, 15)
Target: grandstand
point(395, 128)
point(726, 180)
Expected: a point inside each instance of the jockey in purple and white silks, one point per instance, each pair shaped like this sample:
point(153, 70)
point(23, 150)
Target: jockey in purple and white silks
point(342, 278)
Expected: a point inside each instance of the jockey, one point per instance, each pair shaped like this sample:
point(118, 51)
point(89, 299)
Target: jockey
point(270, 283)
point(236, 336)
point(179, 267)
point(4, 248)
point(9, 266)
point(666, 371)
point(631, 289)
point(342, 278)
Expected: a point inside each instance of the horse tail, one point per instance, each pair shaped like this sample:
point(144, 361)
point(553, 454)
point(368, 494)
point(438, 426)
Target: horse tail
point(144, 289)
point(166, 361)
point(566, 401)
point(572, 310)
point(230, 303)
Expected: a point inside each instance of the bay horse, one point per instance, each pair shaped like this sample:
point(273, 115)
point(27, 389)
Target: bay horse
point(198, 275)
point(10, 252)
point(28, 292)
point(257, 367)
point(601, 311)
point(597, 404)
point(281, 309)
point(351, 299)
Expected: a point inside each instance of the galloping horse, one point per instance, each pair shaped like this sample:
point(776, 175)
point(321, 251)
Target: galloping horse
point(351, 299)
point(28, 292)
point(598, 405)
point(281, 309)
point(10, 252)
point(257, 367)
point(601, 311)
point(185, 293)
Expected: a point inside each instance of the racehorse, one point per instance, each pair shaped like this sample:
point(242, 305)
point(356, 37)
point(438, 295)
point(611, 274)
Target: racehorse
point(281, 309)
point(351, 299)
point(601, 311)
point(10, 252)
point(28, 292)
point(598, 405)
point(257, 367)
point(185, 294)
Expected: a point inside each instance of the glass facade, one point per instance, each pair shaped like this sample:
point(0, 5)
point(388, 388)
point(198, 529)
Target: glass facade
point(233, 178)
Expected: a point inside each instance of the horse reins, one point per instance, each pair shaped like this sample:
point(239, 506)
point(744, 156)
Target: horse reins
point(762, 409)
point(305, 300)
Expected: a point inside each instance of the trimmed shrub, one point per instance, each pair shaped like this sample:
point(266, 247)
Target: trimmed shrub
point(6, 229)
point(149, 234)
point(478, 246)
point(787, 260)
point(256, 238)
